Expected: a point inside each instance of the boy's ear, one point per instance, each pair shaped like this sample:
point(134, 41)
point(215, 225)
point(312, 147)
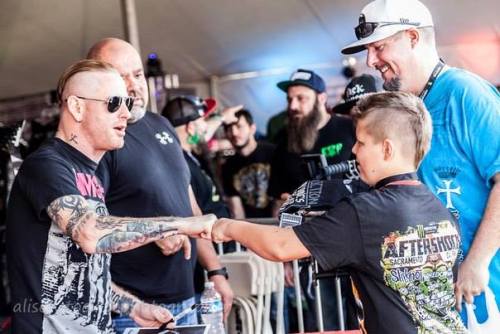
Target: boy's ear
point(388, 149)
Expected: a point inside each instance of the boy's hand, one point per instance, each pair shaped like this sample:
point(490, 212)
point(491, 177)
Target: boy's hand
point(219, 233)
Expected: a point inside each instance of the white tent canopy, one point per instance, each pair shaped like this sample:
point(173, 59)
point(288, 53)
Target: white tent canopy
point(203, 39)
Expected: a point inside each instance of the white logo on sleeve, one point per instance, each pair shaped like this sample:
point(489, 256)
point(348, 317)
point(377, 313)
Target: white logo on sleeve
point(164, 138)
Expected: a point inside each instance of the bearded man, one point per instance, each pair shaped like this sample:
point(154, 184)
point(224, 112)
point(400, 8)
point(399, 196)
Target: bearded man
point(310, 129)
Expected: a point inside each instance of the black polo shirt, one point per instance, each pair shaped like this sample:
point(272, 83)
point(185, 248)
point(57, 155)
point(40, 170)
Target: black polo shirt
point(400, 245)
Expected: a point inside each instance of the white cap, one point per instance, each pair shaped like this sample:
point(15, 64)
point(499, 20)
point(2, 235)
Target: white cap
point(411, 13)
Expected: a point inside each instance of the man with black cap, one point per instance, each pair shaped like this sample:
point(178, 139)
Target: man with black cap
point(461, 169)
point(310, 129)
point(188, 114)
point(356, 88)
point(191, 117)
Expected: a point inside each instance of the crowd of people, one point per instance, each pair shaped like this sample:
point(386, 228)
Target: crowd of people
point(111, 223)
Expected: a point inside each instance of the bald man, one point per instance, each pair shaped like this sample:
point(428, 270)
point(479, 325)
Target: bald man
point(59, 234)
point(149, 176)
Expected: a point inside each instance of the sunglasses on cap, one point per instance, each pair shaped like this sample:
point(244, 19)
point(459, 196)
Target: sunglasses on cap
point(114, 102)
point(365, 29)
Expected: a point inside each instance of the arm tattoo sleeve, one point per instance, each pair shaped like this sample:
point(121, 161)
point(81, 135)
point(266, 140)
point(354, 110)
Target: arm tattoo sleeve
point(111, 234)
point(121, 303)
point(75, 208)
point(127, 233)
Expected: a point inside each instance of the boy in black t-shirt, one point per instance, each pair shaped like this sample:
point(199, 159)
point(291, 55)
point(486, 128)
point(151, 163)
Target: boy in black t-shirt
point(397, 240)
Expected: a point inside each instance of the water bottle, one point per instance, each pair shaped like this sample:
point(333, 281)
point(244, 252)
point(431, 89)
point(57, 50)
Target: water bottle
point(211, 309)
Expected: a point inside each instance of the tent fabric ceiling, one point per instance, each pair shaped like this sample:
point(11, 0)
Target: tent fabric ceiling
point(198, 39)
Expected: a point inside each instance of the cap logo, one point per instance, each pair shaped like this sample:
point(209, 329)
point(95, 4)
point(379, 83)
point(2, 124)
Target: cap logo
point(404, 21)
point(356, 90)
point(301, 76)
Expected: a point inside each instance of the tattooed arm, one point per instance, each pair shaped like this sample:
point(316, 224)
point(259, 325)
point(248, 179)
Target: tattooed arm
point(145, 315)
point(109, 234)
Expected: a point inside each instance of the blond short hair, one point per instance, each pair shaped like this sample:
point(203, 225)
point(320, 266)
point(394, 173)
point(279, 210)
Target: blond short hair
point(398, 115)
point(85, 65)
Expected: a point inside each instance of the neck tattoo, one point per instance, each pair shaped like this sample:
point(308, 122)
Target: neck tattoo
point(72, 138)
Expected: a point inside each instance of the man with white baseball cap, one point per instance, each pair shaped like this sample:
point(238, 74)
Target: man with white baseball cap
point(460, 169)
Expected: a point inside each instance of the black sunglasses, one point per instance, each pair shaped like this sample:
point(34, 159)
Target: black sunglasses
point(114, 102)
point(365, 29)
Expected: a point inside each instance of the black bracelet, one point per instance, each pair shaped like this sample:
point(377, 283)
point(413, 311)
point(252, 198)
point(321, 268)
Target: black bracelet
point(222, 271)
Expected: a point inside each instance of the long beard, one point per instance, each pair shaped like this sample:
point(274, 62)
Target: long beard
point(393, 85)
point(303, 132)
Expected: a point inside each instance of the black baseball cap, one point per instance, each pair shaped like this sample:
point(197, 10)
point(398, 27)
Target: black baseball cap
point(358, 87)
point(184, 109)
point(306, 78)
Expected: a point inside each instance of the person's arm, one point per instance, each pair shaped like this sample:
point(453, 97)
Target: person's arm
point(473, 274)
point(270, 242)
point(210, 261)
point(225, 117)
point(236, 207)
point(109, 234)
point(144, 314)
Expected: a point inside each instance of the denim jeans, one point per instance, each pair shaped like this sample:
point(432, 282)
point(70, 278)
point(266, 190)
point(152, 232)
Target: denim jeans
point(120, 323)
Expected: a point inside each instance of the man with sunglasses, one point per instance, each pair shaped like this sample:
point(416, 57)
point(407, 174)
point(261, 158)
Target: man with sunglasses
point(59, 233)
point(149, 177)
point(461, 169)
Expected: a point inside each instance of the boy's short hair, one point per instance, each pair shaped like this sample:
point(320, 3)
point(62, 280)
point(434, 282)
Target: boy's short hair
point(85, 65)
point(398, 115)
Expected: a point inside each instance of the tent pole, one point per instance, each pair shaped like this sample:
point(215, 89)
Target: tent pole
point(129, 15)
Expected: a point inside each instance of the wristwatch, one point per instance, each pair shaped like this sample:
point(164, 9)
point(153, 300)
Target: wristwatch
point(222, 271)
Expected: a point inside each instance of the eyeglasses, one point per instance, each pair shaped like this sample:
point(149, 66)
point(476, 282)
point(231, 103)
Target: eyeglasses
point(365, 29)
point(114, 102)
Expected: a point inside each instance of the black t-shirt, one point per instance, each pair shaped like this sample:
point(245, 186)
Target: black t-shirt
point(209, 201)
point(400, 245)
point(335, 141)
point(149, 177)
point(248, 178)
point(206, 193)
point(55, 285)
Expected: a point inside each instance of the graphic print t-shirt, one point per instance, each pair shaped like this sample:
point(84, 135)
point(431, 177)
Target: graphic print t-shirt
point(400, 245)
point(335, 142)
point(248, 178)
point(56, 287)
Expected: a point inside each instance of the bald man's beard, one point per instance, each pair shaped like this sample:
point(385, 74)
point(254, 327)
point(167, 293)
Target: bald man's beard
point(136, 114)
point(303, 132)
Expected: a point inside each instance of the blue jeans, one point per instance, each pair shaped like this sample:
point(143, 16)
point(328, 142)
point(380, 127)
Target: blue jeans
point(120, 323)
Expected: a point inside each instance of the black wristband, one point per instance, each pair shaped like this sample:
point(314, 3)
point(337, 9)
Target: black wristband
point(222, 271)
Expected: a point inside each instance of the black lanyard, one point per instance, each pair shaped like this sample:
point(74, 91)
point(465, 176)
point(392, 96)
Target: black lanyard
point(435, 72)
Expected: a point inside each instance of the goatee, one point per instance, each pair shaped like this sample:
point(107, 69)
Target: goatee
point(393, 85)
point(303, 132)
